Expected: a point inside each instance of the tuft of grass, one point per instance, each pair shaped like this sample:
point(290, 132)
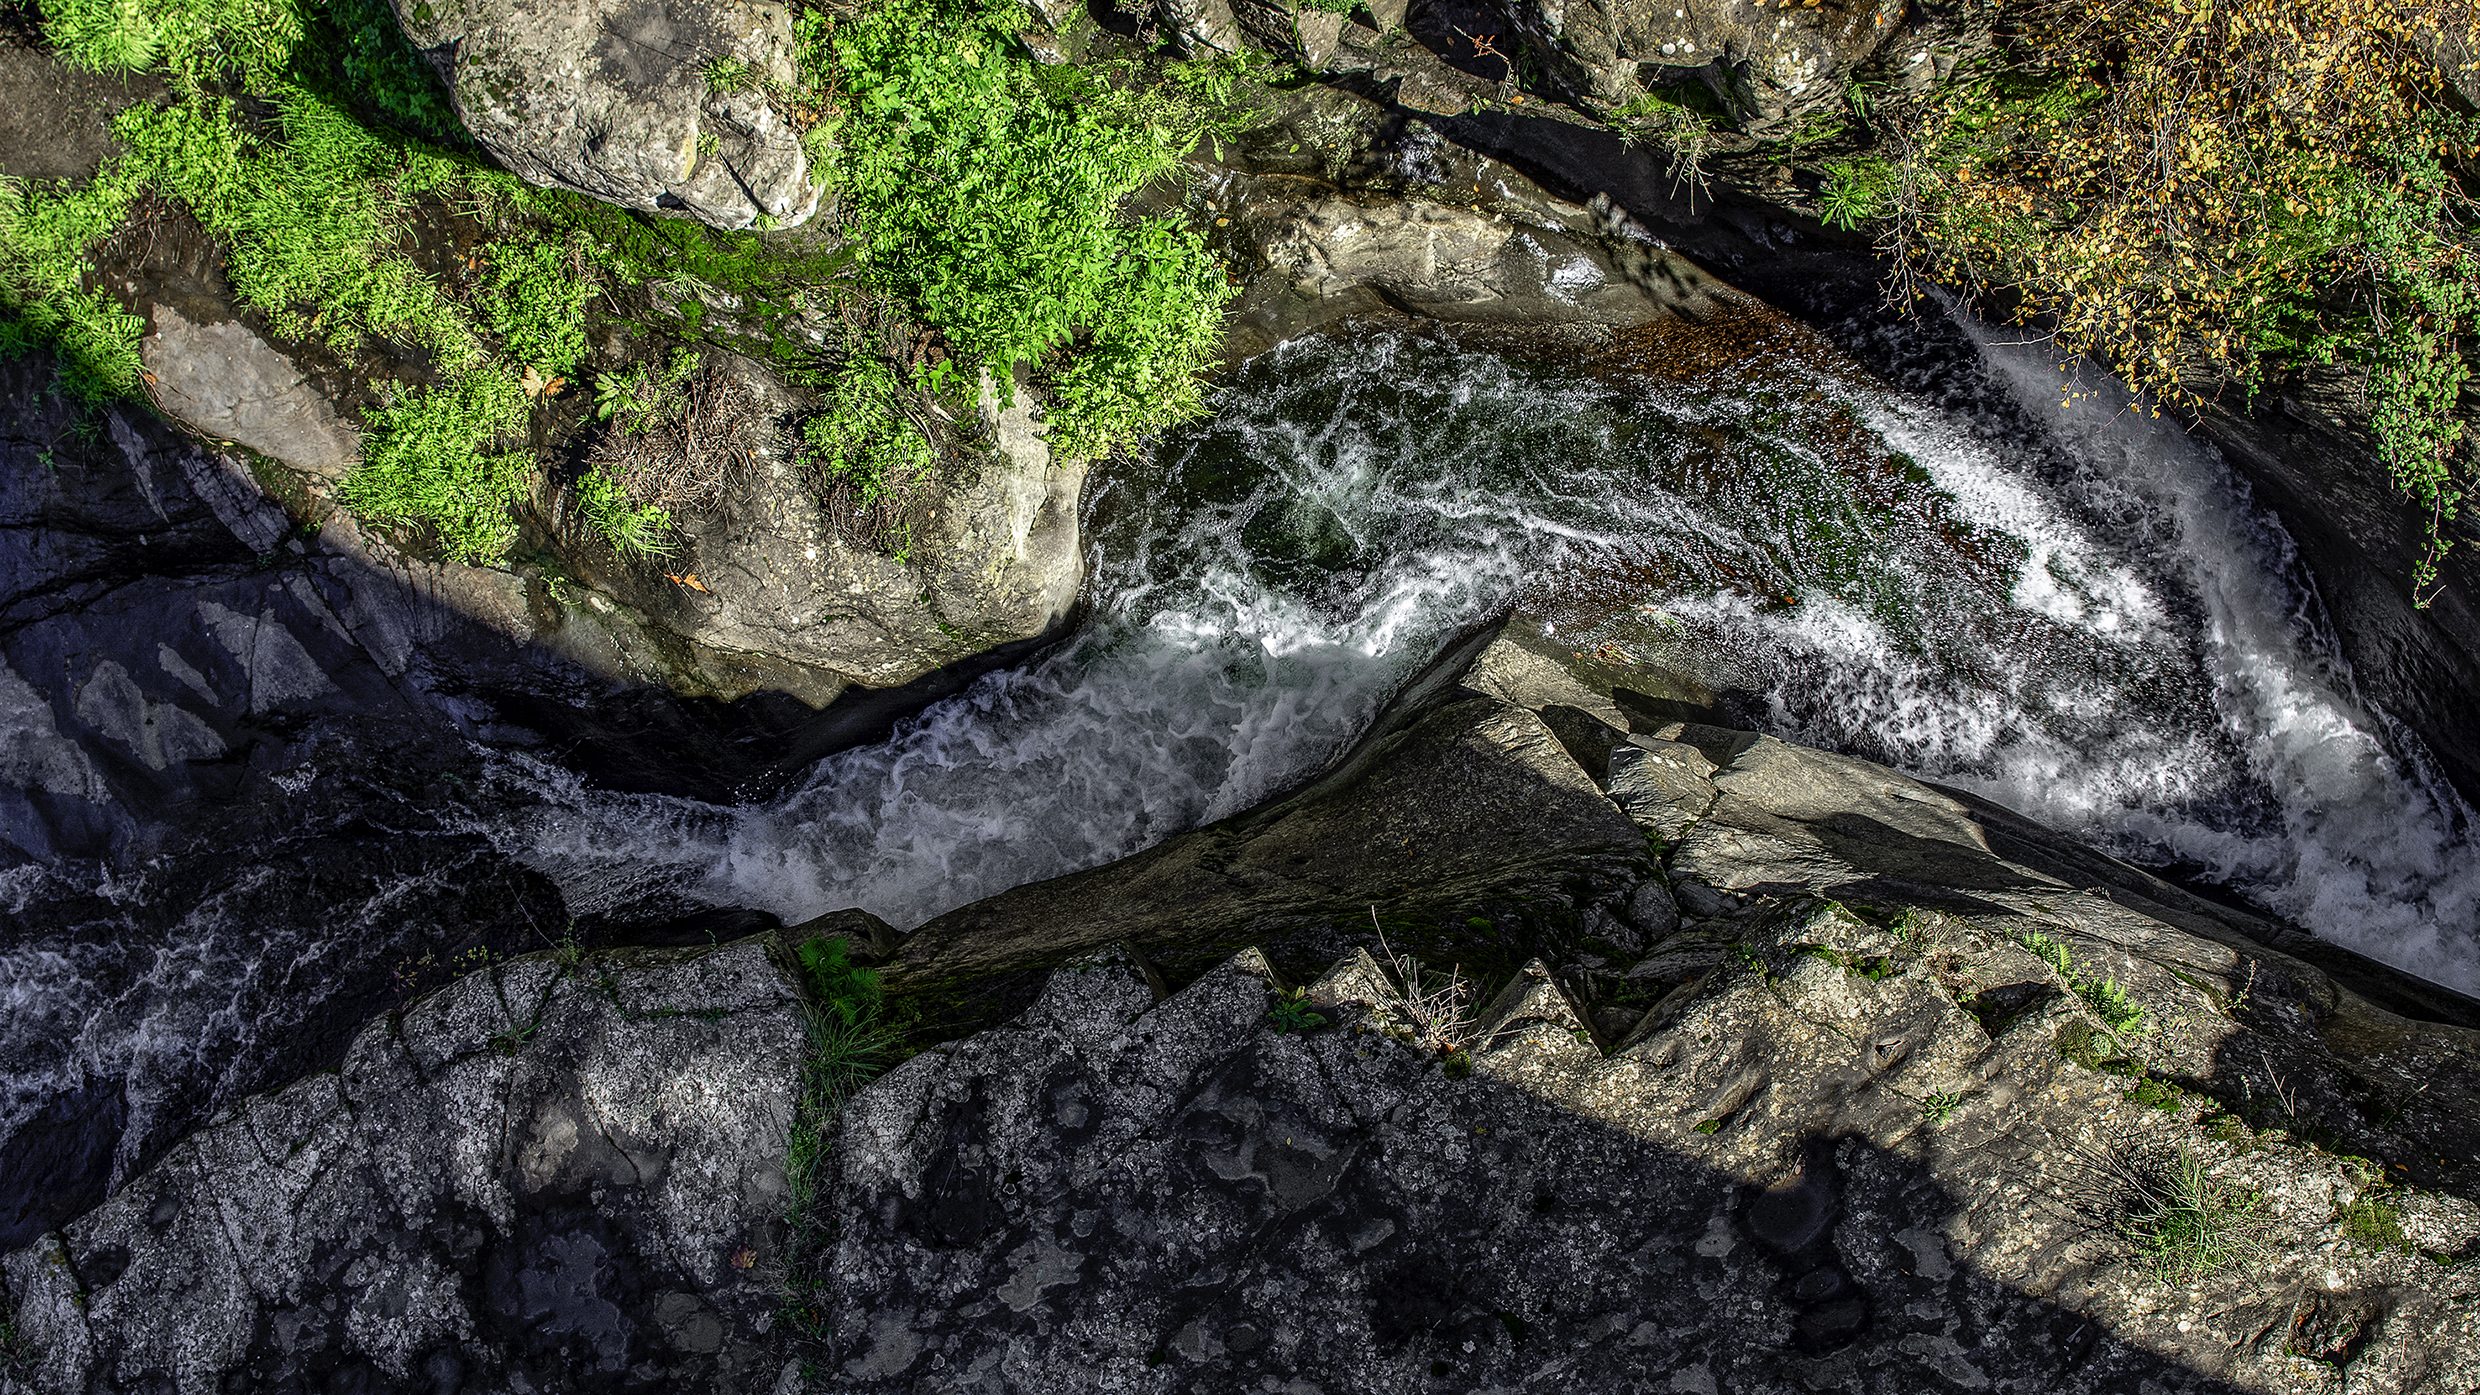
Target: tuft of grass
point(848, 1045)
point(2182, 1223)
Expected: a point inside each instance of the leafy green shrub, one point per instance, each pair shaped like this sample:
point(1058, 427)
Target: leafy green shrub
point(987, 188)
point(45, 231)
point(431, 459)
point(191, 39)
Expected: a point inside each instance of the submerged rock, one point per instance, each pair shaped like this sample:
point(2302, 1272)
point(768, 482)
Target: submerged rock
point(543, 1178)
point(661, 107)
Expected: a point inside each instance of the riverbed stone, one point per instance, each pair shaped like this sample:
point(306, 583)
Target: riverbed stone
point(550, 1176)
point(622, 100)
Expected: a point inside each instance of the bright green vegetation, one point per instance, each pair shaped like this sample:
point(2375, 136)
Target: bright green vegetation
point(1935, 1108)
point(2375, 1224)
point(2183, 1224)
point(1292, 1013)
point(2104, 996)
point(312, 209)
point(983, 190)
point(2154, 1095)
point(986, 189)
point(2191, 189)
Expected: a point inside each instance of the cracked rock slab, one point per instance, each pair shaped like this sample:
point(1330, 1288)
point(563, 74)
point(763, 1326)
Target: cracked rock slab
point(540, 1178)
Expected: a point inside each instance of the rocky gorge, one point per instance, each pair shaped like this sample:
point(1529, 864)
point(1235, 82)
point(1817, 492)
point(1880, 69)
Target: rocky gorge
point(1360, 889)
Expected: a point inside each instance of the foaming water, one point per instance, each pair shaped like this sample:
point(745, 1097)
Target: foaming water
point(1260, 589)
point(2096, 628)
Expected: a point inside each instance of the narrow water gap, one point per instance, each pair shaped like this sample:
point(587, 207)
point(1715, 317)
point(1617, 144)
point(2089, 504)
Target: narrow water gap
point(2092, 625)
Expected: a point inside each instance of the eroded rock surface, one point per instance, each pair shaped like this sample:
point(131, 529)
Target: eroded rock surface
point(539, 1179)
point(657, 105)
point(1814, 1175)
point(1846, 1096)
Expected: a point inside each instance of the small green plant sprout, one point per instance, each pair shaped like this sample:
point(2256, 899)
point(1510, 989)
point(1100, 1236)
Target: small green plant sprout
point(729, 74)
point(634, 530)
point(2049, 952)
point(2112, 1005)
point(1855, 192)
point(2182, 1223)
point(1292, 1012)
point(1935, 1108)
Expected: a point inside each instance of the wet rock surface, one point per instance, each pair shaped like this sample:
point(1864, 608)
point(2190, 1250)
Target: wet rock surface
point(614, 100)
point(545, 1177)
point(1471, 813)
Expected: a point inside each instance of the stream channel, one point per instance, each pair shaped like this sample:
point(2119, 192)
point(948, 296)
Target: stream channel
point(2067, 608)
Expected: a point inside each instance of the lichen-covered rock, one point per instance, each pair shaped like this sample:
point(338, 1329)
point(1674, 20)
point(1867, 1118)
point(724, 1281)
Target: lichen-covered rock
point(658, 105)
point(785, 582)
point(542, 1178)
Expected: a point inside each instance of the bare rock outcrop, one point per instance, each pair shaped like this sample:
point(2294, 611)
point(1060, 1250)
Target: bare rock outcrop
point(545, 1177)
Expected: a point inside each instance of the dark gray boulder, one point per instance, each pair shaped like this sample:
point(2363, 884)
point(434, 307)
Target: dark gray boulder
point(549, 1176)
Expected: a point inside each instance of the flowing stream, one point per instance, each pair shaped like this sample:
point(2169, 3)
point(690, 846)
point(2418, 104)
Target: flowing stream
point(2084, 618)
point(2097, 629)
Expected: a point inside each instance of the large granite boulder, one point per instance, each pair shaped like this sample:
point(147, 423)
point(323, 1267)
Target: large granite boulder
point(547, 1177)
point(664, 106)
